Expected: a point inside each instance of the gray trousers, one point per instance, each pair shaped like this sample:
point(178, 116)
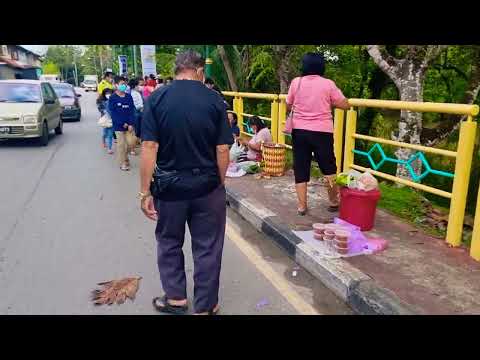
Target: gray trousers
point(206, 217)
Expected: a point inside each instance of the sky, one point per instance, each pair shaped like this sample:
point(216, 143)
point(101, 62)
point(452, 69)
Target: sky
point(41, 49)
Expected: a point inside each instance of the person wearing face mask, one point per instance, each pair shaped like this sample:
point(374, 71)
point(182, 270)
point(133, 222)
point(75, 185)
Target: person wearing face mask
point(141, 85)
point(138, 102)
point(186, 135)
point(102, 106)
point(106, 83)
point(122, 112)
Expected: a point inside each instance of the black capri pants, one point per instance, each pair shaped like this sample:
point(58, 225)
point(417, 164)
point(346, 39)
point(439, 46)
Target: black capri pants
point(306, 142)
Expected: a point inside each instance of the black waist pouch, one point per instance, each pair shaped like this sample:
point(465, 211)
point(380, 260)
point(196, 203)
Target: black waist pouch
point(184, 185)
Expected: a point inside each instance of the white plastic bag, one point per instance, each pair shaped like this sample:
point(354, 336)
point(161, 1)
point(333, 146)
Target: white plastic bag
point(353, 176)
point(105, 121)
point(236, 151)
point(367, 182)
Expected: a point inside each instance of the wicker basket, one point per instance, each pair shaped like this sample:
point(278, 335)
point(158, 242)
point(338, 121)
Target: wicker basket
point(273, 156)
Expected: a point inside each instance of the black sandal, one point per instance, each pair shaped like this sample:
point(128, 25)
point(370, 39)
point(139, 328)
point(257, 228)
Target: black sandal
point(302, 212)
point(333, 208)
point(168, 308)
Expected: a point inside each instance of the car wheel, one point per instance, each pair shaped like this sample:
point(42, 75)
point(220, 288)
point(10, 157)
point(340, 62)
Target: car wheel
point(59, 128)
point(43, 140)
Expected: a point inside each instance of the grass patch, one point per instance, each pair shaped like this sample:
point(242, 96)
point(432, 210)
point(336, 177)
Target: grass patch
point(407, 204)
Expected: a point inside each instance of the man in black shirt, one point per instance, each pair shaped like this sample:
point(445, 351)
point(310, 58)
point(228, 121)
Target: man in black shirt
point(186, 134)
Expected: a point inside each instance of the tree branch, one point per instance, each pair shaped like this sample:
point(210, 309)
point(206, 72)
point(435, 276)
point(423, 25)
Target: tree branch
point(384, 61)
point(432, 52)
point(431, 137)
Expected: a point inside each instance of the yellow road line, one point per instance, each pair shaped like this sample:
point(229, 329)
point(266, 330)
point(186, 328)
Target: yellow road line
point(275, 279)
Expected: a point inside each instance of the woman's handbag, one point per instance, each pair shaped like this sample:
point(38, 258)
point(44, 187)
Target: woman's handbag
point(289, 121)
point(105, 121)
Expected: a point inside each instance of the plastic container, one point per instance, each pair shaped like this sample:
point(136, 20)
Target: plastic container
point(328, 242)
point(318, 228)
point(342, 235)
point(341, 250)
point(358, 207)
point(329, 235)
point(341, 244)
point(318, 236)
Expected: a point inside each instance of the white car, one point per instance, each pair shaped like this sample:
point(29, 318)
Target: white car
point(90, 85)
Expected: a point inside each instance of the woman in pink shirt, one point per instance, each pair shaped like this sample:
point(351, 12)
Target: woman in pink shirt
point(312, 98)
point(254, 145)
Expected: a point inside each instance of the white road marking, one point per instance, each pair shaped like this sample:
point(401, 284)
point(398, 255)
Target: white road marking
point(275, 279)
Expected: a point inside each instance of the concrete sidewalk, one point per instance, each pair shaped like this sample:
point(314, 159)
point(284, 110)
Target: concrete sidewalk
point(416, 274)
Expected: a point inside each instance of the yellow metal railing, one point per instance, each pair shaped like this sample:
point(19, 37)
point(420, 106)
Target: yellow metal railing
point(463, 156)
point(344, 146)
point(238, 109)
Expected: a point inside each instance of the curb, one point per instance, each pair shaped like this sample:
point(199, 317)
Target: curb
point(354, 287)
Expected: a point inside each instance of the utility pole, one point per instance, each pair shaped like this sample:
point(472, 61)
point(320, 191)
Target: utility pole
point(76, 72)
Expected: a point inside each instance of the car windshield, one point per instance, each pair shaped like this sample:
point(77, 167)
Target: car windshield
point(63, 91)
point(20, 93)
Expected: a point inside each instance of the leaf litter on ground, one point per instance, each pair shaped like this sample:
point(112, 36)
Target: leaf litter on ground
point(116, 291)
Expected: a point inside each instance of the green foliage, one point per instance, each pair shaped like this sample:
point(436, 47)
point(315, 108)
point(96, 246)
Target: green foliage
point(165, 64)
point(50, 68)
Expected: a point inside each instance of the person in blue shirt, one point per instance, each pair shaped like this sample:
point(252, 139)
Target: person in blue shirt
point(122, 112)
point(233, 120)
point(102, 106)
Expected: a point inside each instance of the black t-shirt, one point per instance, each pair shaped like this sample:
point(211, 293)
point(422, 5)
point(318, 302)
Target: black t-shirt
point(188, 121)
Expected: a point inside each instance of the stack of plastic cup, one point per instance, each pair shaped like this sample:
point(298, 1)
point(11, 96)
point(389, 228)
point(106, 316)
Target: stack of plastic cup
point(341, 241)
point(318, 230)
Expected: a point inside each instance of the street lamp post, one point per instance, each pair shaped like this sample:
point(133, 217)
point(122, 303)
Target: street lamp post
point(135, 59)
point(208, 63)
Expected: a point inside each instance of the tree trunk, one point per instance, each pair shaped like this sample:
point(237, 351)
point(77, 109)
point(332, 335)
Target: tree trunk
point(410, 124)
point(408, 74)
point(282, 53)
point(228, 68)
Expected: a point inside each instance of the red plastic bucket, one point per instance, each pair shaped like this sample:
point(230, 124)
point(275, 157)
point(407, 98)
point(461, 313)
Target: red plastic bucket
point(358, 207)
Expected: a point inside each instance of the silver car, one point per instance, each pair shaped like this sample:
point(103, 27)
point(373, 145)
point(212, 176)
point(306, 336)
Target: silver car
point(29, 109)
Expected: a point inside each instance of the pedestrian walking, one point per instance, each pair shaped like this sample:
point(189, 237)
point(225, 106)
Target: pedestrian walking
point(106, 83)
point(138, 102)
point(150, 86)
point(122, 112)
point(311, 98)
point(159, 83)
point(102, 106)
point(186, 135)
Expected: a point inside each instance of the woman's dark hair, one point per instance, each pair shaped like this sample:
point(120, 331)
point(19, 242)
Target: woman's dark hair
point(152, 77)
point(255, 120)
point(103, 95)
point(133, 83)
point(235, 118)
point(313, 64)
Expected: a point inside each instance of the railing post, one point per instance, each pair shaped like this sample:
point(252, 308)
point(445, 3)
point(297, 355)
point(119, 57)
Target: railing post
point(240, 113)
point(466, 143)
point(274, 122)
point(350, 130)
point(338, 137)
point(282, 116)
point(475, 245)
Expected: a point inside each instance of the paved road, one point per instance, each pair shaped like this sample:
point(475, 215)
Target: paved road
point(70, 219)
